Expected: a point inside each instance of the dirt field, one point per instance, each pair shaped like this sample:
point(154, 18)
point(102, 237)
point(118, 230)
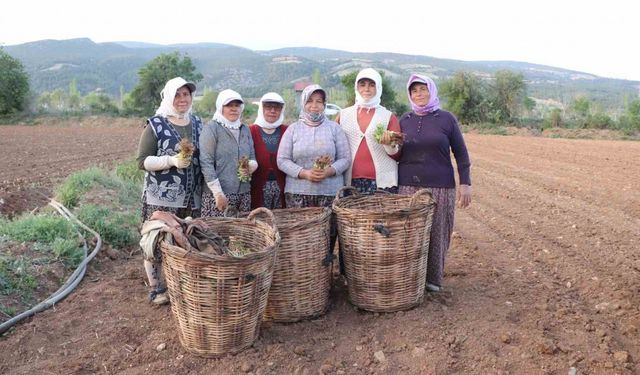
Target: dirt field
point(37, 157)
point(543, 276)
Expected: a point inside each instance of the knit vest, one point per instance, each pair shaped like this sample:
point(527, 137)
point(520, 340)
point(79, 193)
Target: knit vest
point(266, 164)
point(174, 187)
point(386, 167)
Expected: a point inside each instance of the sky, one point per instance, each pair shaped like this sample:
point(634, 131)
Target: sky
point(600, 38)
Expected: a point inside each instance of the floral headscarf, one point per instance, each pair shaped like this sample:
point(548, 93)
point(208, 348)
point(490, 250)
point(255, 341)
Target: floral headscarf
point(312, 118)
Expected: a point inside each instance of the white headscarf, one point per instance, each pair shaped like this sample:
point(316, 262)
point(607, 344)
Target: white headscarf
point(168, 93)
point(373, 75)
point(225, 97)
point(270, 97)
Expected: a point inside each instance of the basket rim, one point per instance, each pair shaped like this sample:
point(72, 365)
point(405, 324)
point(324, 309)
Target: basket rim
point(338, 206)
point(323, 214)
point(413, 206)
point(197, 255)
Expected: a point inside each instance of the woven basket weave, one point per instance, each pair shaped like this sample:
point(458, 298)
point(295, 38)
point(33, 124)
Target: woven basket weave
point(218, 301)
point(384, 239)
point(302, 275)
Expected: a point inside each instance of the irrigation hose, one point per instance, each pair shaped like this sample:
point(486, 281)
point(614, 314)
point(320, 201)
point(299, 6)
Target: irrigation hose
point(73, 280)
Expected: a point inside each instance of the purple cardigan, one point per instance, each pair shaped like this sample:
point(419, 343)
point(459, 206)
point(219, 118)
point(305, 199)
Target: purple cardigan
point(426, 159)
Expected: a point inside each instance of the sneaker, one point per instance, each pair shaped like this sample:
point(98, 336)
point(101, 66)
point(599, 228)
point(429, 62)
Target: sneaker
point(158, 296)
point(433, 288)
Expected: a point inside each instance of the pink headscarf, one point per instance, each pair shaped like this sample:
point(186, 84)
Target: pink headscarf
point(434, 101)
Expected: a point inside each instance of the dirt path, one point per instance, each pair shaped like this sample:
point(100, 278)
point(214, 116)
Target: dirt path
point(543, 275)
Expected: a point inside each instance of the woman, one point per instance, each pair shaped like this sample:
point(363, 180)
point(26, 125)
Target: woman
point(224, 142)
point(374, 163)
point(171, 183)
point(430, 135)
point(267, 183)
point(305, 141)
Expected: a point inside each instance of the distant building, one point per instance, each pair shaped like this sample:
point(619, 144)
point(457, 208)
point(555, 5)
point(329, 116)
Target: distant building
point(298, 87)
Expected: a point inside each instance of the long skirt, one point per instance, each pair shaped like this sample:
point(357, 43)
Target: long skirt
point(271, 195)
point(368, 186)
point(441, 229)
point(237, 202)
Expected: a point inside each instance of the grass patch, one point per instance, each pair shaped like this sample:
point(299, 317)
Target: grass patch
point(39, 228)
point(129, 171)
point(68, 251)
point(71, 190)
point(30, 244)
point(16, 276)
point(117, 228)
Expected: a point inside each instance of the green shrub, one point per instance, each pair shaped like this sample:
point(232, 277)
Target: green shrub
point(16, 275)
point(74, 186)
point(117, 228)
point(41, 228)
point(129, 171)
point(68, 251)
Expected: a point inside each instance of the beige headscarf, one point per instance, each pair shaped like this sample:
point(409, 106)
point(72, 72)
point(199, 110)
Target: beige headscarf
point(168, 93)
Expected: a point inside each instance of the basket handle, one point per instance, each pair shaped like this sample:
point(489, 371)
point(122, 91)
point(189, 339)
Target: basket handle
point(419, 193)
point(347, 188)
point(264, 212)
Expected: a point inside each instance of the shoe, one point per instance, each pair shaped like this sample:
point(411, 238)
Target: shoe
point(158, 296)
point(433, 288)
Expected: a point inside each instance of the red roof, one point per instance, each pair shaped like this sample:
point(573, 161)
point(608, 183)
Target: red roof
point(299, 86)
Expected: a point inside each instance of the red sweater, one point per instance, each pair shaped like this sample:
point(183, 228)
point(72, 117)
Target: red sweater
point(266, 163)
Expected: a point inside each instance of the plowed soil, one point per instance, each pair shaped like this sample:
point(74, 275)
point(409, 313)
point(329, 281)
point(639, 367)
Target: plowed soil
point(35, 158)
point(543, 277)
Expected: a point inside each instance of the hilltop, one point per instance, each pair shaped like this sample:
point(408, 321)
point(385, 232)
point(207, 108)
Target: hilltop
point(112, 67)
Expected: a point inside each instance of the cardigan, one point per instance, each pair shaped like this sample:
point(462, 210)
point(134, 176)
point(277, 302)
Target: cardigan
point(220, 153)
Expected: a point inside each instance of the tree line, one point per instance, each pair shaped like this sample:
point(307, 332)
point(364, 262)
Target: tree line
point(501, 99)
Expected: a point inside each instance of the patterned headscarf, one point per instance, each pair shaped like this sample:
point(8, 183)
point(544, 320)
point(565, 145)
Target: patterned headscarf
point(168, 93)
point(434, 101)
point(225, 97)
point(312, 118)
point(373, 75)
point(270, 97)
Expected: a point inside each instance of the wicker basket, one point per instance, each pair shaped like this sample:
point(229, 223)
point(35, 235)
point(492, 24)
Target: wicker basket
point(302, 275)
point(384, 239)
point(218, 301)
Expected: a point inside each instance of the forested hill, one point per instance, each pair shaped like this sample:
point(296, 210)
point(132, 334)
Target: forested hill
point(112, 67)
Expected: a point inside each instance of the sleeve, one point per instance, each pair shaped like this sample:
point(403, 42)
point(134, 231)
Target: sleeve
point(252, 148)
point(343, 153)
point(460, 152)
point(148, 146)
point(285, 155)
point(253, 163)
point(394, 125)
point(208, 144)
